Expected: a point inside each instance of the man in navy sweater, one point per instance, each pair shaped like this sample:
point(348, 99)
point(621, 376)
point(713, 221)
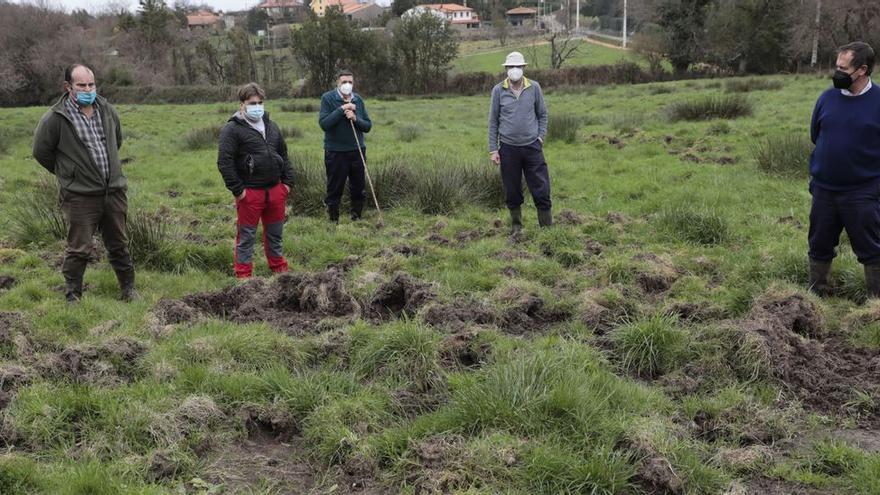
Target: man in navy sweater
point(845, 169)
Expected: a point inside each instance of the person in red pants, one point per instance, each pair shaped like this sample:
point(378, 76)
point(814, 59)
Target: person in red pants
point(256, 169)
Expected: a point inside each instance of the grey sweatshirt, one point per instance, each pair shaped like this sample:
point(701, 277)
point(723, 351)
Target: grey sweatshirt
point(517, 121)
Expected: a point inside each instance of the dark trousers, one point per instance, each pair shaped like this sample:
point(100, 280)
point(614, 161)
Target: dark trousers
point(856, 211)
point(528, 161)
point(342, 166)
point(85, 215)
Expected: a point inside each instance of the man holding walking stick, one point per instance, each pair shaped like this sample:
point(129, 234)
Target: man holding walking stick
point(344, 119)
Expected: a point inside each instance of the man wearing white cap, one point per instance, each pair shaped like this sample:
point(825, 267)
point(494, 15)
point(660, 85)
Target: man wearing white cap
point(517, 126)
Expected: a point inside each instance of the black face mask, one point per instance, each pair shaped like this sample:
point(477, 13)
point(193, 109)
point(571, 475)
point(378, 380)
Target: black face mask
point(842, 80)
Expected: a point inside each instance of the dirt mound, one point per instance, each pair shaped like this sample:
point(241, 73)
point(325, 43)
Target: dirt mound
point(658, 275)
point(12, 327)
point(7, 282)
point(170, 312)
point(268, 423)
point(436, 238)
point(603, 310)
point(569, 217)
point(826, 376)
point(694, 311)
point(403, 294)
point(401, 249)
point(525, 313)
point(112, 362)
point(459, 314)
point(292, 302)
point(11, 378)
point(791, 310)
point(464, 349)
point(321, 294)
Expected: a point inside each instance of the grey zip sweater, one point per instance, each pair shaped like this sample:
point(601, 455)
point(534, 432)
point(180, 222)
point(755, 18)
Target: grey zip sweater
point(517, 121)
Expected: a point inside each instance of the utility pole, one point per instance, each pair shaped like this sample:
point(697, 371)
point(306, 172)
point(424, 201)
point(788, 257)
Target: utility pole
point(624, 23)
point(577, 16)
point(815, 56)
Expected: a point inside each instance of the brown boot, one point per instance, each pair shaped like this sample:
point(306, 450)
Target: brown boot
point(819, 271)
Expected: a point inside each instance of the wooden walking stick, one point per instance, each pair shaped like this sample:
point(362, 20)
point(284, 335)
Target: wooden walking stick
point(367, 173)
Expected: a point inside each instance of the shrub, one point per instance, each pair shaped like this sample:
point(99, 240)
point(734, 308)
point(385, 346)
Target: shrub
point(563, 127)
point(148, 240)
point(36, 216)
point(408, 133)
point(698, 227)
point(202, 138)
point(305, 107)
point(309, 184)
point(710, 107)
point(434, 184)
point(650, 348)
point(289, 131)
point(627, 121)
point(751, 84)
point(786, 154)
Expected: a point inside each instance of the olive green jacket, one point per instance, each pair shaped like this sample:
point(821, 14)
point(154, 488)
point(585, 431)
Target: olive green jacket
point(60, 150)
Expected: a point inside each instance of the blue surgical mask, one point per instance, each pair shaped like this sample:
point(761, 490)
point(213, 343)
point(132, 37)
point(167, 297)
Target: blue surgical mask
point(86, 98)
point(254, 112)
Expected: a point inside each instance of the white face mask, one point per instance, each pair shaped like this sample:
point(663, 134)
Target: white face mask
point(515, 73)
point(345, 88)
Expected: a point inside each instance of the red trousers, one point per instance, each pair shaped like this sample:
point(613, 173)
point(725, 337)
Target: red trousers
point(257, 204)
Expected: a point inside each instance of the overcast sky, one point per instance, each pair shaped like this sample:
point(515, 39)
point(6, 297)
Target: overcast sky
point(132, 5)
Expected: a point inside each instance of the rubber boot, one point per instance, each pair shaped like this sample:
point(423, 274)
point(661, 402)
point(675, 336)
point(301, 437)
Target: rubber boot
point(73, 290)
point(545, 218)
point(333, 214)
point(515, 220)
point(357, 209)
point(872, 280)
point(126, 286)
point(819, 271)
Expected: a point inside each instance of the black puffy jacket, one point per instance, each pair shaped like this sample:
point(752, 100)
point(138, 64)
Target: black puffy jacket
point(246, 160)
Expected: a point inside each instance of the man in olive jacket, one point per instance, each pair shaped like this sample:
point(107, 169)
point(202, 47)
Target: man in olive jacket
point(78, 141)
point(253, 160)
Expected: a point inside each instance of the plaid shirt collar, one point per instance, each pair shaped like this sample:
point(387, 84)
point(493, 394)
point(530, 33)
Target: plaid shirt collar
point(91, 133)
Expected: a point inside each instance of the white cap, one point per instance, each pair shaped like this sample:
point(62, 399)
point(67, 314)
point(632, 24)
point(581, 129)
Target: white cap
point(514, 59)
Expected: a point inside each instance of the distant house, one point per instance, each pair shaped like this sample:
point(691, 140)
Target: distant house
point(319, 7)
point(203, 19)
point(363, 12)
point(282, 9)
point(457, 15)
point(520, 15)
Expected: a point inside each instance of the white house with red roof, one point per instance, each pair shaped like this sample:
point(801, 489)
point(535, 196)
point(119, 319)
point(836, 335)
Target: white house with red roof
point(457, 15)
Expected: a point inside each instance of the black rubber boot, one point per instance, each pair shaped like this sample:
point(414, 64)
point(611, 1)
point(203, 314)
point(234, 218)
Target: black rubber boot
point(73, 291)
point(126, 286)
point(545, 218)
point(872, 280)
point(515, 220)
point(819, 271)
point(333, 213)
point(357, 209)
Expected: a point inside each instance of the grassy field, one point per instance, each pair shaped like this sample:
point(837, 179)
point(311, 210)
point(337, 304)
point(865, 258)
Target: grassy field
point(487, 56)
point(658, 339)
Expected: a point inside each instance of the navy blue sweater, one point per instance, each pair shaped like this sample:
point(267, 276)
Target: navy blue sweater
point(846, 132)
point(337, 129)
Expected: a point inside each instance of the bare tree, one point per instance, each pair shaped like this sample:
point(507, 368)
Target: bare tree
point(562, 49)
